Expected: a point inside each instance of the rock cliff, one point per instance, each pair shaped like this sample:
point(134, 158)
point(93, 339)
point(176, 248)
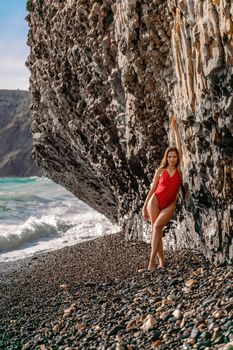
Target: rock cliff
point(15, 135)
point(106, 76)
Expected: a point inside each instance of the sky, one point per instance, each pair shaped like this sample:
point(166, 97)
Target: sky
point(13, 48)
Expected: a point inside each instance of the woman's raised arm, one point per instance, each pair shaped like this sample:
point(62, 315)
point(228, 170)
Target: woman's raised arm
point(174, 125)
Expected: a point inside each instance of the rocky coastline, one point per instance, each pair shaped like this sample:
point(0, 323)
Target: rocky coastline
point(16, 158)
point(106, 77)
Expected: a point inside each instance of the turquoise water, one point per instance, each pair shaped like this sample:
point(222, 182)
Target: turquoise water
point(38, 215)
point(20, 197)
point(23, 197)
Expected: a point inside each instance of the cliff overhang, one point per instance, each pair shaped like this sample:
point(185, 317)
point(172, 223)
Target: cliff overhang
point(105, 78)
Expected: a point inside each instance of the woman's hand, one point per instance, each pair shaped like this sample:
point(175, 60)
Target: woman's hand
point(145, 213)
point(174, 123)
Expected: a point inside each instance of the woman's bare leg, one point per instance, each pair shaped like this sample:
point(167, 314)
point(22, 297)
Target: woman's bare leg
point(160, 253)
point(156, 243)
point(153, 212)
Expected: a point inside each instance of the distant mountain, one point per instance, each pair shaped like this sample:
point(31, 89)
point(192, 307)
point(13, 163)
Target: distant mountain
point(15, 135)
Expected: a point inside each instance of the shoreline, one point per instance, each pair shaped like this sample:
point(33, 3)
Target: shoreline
point(98, 295)
point(48, 256)
point(24, 262)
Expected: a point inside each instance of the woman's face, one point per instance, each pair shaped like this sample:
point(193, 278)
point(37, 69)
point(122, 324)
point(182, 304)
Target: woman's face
point(172, 158)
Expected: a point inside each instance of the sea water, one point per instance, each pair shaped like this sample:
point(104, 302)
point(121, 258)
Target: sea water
point(37, 215)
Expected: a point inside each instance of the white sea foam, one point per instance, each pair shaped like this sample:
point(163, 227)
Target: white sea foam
point(39, 216)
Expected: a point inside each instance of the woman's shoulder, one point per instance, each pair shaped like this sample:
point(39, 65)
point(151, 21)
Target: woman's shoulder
point(159, 171)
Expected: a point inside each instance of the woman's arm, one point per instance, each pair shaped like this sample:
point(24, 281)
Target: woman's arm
point(152, 189)
point(174, 125)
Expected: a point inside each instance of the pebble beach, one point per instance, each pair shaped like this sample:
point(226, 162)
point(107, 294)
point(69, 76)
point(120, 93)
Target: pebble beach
point(99, 295)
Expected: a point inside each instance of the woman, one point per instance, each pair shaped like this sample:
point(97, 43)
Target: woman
point(160, 202)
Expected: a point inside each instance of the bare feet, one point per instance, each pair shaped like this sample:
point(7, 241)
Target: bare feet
point(161, 264)
point(151, 266)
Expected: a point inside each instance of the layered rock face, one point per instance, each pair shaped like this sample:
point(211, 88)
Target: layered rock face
point(106, 76)
point(15, 135)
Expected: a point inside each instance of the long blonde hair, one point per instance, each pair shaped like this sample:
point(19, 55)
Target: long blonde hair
point(164, 162)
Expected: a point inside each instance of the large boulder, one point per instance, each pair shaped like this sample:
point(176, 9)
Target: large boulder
point(106, 76)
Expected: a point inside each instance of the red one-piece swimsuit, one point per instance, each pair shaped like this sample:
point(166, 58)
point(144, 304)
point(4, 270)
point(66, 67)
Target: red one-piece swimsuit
point(167, 188)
